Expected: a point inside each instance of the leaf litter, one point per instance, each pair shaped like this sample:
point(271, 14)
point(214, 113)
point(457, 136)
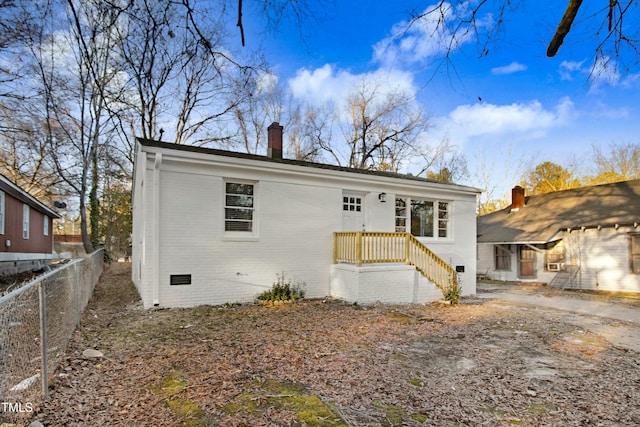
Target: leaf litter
point(331, 363)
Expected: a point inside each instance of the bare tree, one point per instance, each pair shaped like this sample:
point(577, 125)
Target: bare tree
point(620, 163)
point(443, 162)
point(256, 102)
point(310, 132)
point(616, 38)
point(25, 157)
point(491, 171)
point(75, 73)
point(382, 127)
point(179, 75)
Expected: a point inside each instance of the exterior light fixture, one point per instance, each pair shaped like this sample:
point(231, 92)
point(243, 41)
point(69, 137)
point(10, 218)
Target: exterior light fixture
point(382, 197)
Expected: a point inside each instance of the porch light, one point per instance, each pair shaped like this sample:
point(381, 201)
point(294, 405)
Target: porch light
point(382, 197)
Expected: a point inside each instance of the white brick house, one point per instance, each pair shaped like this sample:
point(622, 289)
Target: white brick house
point(585, 238)
point(214, 227)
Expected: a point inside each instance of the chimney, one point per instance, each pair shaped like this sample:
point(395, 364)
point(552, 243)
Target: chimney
point(274, 138)
point(517, 198)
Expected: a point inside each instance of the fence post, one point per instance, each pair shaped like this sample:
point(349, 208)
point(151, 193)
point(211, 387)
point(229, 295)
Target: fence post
point(359, 248)
point(43, 338)
point(76, 287)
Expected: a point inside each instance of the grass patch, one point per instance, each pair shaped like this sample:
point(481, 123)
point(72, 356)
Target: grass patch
point(188, 412)
point(286, 396)
point(172, 384)
point(395, 415)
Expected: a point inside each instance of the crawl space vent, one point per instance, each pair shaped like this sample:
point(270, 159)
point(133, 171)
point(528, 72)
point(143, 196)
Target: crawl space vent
point(180, 279)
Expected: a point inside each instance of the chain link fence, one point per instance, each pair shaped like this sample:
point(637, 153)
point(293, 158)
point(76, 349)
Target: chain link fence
point(36, 323)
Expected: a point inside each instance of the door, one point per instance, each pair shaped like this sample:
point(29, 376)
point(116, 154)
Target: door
point(352, 212)
point(527, 262)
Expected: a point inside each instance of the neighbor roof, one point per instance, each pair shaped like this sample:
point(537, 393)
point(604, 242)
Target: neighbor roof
point(189, 148)
point(18, 193)
point(544, 215)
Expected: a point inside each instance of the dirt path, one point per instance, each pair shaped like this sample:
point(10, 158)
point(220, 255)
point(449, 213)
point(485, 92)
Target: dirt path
point(334, 364)
point(615, 319)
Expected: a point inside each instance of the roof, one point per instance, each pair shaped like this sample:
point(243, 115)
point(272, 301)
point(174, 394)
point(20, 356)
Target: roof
point(212, 151)
point(18, 193)
point(544, 215)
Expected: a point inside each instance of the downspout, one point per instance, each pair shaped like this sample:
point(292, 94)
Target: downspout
point(156, 231)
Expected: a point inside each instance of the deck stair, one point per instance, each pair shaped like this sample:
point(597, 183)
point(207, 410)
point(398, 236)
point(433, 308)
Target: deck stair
point(382, 247)
point(565, 278)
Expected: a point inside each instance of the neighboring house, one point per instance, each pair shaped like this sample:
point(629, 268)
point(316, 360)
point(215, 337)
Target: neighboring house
point(586, 238)
point(26, 230)
point(214, 227)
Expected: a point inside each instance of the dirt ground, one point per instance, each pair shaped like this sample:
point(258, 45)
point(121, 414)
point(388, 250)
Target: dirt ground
point(330, 363)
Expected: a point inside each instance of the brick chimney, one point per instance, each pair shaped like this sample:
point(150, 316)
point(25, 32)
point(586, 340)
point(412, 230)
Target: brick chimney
point(517, 198)
point(274, 138)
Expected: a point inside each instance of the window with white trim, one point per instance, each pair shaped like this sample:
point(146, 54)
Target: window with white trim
point(239, 207)
point(424, 218)
point(25, 221)
point(45, 225)
point(401, 215)
point(352, 203)
point(1, 212)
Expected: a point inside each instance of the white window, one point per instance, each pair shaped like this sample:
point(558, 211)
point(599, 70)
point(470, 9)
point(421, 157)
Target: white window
point(45, 225)
point(239, 207)
point(352, 203)
point(401, 215)
point(424, 218)
point(25, 221)
point(1, 212)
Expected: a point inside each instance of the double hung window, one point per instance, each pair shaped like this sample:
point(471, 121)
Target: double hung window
point(239, 207)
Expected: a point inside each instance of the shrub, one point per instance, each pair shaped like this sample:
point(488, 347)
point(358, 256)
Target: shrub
point(452, 290)
point(283, 290)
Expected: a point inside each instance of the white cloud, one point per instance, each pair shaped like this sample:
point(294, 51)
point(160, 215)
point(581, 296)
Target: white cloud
point(328, 84)
point(515, 122)
point(440, 30)
point(603, 73)
point(568, 68)
point(514, 67)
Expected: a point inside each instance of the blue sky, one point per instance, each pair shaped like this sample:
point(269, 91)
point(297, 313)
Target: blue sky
point(511, 106)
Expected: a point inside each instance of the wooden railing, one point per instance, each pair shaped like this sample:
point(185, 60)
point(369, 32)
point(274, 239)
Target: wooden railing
point(363, 247)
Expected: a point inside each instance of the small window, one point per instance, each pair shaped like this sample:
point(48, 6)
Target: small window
point(352, 204)
point(45, 225)
point(443, 219)
point(239, 207)
point(401, 215)
point(25, 221)
point(634, 253)
point(502, 257)
point(1, 212)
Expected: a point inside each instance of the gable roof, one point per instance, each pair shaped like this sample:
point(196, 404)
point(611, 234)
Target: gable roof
point(234, 154)
point(18, 193)
point(543, 216)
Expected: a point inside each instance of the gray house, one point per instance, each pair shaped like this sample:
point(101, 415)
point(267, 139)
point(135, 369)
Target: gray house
point(587, 238)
